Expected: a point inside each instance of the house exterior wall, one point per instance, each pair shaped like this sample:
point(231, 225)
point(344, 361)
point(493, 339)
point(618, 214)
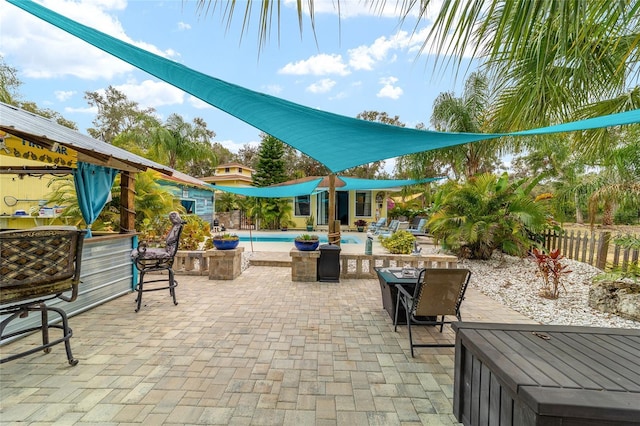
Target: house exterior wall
point(378, 210)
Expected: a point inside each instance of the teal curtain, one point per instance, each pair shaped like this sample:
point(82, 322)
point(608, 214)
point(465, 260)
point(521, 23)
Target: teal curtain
point(93, 187)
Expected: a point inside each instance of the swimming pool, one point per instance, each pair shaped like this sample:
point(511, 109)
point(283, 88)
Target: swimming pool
point(290, 238)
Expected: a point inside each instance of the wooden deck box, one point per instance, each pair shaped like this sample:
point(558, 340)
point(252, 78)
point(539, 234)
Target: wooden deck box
point(520, 375)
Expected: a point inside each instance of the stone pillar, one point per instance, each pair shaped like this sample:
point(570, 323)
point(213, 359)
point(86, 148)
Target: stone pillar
point(225, 264)
point(304, 265)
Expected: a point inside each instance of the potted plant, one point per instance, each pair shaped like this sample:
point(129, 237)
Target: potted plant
point(285, 222)
point(310, 222)
point(306, 242)
point(360, 224)
point(225, 241)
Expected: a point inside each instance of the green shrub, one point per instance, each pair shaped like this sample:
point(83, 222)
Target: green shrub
point(400, 242)
point(194, 232)
point(487, 213)
point(625, 217)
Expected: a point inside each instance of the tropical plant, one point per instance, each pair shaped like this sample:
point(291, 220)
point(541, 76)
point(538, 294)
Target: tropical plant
point(400, 242)
point(226, 237)
point(177, 141)
point(310, 221)
point(487, 213)
point(307, 237)
point(360, 223)
point(551, 269)
point(226, 201)
point(466, 114)
point(194, 232)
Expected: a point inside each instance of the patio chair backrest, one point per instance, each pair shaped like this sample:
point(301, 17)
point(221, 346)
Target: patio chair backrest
point(173, 237)
point(440, 291)
point(402, 226)
point(377, 225)
point(39, 263)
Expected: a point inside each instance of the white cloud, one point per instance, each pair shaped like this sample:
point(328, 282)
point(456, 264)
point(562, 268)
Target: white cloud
point(322, 64)
point(322, 86)
point(234, 146)
point(198, 103)
point(152, 93)
point(353, 8)
point(183, 26)
point(41, 50)
point(273, 89)
point(87, 110)
point(63, 95)
point(389, 90)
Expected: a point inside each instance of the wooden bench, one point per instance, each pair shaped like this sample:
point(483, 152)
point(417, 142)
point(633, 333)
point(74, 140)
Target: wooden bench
point(38, 265)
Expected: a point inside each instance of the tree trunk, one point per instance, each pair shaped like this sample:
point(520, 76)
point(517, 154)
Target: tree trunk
point(579, 217)
point(607, 214)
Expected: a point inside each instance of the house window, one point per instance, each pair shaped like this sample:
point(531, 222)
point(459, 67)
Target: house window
point(227, 170)
point(240, 170)
point(303, 205)
point(363, 203)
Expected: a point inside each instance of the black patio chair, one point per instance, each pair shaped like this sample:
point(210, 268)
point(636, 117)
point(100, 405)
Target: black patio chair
point(158, 260)
point(38, 265)
point(438, 293)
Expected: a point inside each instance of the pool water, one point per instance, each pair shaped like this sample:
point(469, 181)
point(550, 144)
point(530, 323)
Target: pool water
point(289, 239)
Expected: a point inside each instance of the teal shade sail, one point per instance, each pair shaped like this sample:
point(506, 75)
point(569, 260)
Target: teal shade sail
point(295, 190)
point(338, 142)
point(351, 184)
point(314, 186)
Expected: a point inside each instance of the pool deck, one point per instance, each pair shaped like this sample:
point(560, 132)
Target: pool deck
point(262, 248)
point(257, 350)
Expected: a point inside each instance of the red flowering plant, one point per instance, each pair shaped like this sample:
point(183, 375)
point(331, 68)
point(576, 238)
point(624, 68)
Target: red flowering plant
point(551, 269)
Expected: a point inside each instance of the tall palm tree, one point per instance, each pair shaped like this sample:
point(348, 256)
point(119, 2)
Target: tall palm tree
point(467, 113)
point(178, 141)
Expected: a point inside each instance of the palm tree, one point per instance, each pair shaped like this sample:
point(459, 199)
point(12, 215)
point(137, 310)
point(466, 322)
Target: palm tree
point(179, 141)
point(618, 182)
point(466, 114)
point(485, 214)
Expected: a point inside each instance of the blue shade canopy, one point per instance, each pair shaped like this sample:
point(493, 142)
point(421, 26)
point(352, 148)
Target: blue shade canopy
point(295, 190)
point(351, 184)
point(336, 141)
point(314, 186)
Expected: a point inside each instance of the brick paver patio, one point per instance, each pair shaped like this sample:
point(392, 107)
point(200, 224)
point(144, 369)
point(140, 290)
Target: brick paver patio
point(258, 350)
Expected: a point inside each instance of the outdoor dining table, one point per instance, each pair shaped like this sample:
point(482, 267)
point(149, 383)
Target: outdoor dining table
point(389, 278)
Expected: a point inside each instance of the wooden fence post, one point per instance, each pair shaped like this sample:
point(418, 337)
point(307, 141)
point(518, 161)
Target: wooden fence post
point(603, 249)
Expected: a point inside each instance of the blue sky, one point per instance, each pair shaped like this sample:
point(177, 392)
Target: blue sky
point(362, 61)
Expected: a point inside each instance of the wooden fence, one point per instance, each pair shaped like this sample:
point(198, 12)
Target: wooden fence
point(596, 249)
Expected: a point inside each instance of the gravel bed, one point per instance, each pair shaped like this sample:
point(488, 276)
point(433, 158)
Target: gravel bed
point(514, 282)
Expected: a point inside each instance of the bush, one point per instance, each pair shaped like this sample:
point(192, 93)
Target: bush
point(625, 217)
point(487, 213)
point(400, 242)
point(194, 232)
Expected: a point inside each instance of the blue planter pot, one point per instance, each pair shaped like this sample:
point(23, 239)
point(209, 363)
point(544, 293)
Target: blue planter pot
point(306, 245)
point(225, 244)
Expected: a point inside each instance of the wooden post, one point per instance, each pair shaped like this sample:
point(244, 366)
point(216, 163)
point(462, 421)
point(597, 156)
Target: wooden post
point(334, 225)
point(127, 202)
point(603, 250)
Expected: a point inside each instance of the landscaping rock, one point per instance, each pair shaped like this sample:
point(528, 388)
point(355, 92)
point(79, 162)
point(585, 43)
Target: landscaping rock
point(617, 297)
